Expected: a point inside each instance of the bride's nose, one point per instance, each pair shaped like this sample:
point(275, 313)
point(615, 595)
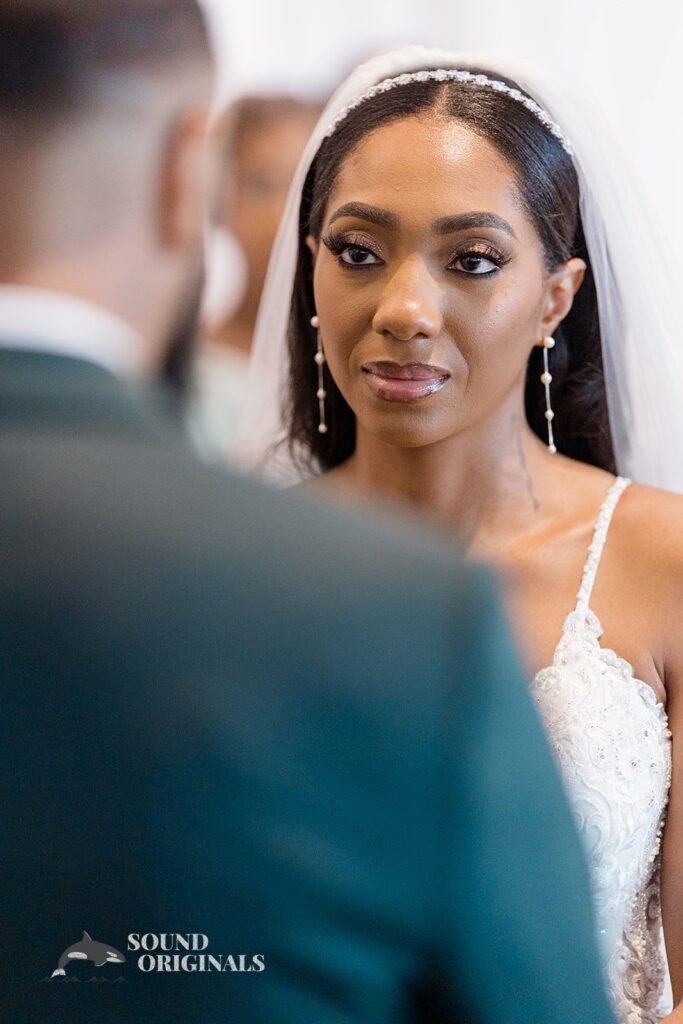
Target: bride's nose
point(410, 304)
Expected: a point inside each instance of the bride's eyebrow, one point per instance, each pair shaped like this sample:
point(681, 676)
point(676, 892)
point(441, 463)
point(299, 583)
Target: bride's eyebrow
point(442, 226)
point(373, 214)
point(463, 221)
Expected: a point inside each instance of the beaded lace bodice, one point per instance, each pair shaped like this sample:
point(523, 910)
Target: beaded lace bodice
point(611, 738)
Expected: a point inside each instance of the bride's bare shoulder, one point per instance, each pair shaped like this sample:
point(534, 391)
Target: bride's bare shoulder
point(654, 511)
point(652, 529)
point(654, 526)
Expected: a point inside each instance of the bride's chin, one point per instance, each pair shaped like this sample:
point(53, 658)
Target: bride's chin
point(403, 424)
point(404, 435)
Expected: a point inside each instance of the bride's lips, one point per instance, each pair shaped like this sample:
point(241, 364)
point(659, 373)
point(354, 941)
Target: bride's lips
point(409, 383)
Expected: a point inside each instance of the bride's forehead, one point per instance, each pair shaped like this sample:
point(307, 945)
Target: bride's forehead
point(420, 156)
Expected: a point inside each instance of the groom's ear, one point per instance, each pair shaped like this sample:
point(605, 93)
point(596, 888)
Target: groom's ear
point(313, 245)
point(185, 178)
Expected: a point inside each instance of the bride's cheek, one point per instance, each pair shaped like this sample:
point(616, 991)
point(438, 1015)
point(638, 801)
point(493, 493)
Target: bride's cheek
point(346, 319)
point(501, 324)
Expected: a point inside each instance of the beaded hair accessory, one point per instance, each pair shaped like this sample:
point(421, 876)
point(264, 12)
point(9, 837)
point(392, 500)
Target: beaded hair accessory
point(453, 75)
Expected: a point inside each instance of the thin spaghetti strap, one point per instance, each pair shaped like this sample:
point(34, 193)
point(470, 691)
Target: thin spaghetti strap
point(598, 542)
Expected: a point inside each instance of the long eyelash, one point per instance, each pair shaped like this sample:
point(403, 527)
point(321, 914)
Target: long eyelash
point(337, 244)
point(494, 255)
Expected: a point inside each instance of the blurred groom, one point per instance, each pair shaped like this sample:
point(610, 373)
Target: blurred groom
point(258, 762)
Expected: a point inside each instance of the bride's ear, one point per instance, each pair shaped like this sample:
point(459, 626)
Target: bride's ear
point(313, 246)
point(562, 286)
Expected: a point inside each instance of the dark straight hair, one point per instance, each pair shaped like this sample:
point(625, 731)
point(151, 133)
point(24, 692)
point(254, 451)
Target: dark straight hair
point(549, 189)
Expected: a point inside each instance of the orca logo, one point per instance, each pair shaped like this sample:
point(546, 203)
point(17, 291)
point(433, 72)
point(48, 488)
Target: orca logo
point(87, 949)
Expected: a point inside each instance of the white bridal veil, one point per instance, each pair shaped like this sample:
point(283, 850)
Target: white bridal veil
point(640, 326)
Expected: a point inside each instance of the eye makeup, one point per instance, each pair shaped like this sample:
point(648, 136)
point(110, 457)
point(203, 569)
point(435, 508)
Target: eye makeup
point(477, 258)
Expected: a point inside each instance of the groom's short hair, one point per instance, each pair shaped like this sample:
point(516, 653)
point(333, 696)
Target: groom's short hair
point(55, 54)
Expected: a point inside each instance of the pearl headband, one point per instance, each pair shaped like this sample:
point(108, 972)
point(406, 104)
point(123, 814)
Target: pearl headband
point(453, 75)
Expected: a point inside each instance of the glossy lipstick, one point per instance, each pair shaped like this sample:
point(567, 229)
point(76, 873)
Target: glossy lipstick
point(409, 383)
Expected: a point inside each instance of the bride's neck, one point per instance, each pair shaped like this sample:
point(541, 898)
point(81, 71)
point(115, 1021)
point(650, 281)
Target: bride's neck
point(486, 480)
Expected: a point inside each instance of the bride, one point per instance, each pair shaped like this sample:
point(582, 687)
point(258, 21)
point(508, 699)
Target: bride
point(468, 315)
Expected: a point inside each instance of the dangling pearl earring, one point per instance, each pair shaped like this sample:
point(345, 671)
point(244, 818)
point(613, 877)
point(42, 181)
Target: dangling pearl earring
point(321, 394)
point(546, 378)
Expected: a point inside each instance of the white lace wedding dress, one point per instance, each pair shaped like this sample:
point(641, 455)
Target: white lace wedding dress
point(611, 738)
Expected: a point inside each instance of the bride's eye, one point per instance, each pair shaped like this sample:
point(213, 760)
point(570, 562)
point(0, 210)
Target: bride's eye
point(477, 262)
point(350, 253)
point(357, 256)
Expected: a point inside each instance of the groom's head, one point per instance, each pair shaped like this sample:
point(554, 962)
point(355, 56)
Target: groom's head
point(103, 109)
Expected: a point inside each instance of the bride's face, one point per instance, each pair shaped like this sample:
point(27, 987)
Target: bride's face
point(430, 282)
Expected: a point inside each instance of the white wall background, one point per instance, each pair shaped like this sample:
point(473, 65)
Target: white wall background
point(630, 51)
point(304, 45)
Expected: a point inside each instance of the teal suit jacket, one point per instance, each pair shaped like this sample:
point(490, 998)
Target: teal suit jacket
point(244, 717)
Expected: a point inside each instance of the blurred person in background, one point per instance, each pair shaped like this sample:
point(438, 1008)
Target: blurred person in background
point(259, 140)
point(478, 322)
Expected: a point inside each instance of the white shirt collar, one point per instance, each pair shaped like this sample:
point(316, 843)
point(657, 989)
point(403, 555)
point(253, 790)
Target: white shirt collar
point(36, 320)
